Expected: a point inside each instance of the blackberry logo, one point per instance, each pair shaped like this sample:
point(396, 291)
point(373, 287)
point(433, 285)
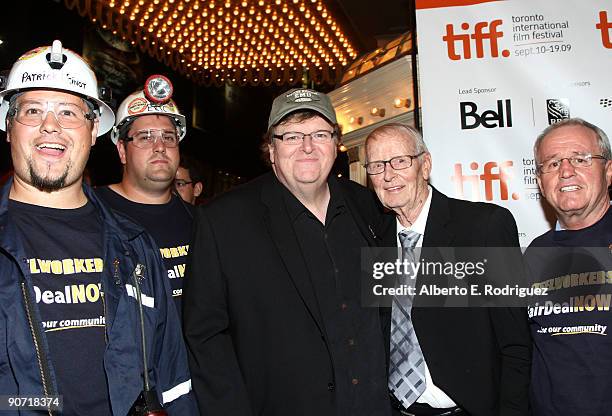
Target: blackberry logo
point(605, 102)
point(558, 109)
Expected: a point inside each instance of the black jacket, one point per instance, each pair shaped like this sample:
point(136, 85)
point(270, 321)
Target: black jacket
point(256, 340)
point(480, 357)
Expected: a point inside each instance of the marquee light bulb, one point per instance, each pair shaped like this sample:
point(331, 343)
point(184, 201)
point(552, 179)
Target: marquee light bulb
point(271, 33)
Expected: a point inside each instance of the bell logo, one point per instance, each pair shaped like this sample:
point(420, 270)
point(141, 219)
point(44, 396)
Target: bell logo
point(489, 119)
point(605, 27)
point(482, 31)
point(492, 173)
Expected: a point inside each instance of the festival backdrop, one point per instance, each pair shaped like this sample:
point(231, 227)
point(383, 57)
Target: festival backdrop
point(493, 75)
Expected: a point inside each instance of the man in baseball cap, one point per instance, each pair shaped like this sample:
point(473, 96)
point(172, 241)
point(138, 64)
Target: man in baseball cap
point(82, 289)
point(272, 311)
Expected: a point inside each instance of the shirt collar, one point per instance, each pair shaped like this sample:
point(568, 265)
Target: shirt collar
point(421, 221)
point(559, 227)
point(295, 208)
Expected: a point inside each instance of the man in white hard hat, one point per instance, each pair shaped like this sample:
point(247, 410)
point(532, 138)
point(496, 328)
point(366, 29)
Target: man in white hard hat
point(147, 134)
point(77, 281)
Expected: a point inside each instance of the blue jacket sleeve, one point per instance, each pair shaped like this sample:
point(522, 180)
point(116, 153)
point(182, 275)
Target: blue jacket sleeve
point(169, 359)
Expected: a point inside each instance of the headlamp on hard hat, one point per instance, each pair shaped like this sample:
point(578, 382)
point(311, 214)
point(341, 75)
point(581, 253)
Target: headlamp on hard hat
point(158, 89)
point(56, 58)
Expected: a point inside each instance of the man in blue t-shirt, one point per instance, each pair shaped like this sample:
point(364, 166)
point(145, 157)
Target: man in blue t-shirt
point(572, 355)
point(77, 281)
point(147, 133)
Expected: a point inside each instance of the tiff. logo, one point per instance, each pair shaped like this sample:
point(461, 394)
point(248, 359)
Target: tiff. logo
point(605, 27)
point(482, 31)
point(492, 173)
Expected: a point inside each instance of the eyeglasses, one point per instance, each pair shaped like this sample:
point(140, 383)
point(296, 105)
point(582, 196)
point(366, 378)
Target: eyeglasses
point(295, 138)
point(146, 139)
point(68, 115)
point(577, 161)
point(179, 183)
point(398, 163)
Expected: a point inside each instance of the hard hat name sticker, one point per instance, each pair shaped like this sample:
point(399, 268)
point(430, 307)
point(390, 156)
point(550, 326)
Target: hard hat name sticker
point(42, 76)
point(27, 77)
point(76, 82)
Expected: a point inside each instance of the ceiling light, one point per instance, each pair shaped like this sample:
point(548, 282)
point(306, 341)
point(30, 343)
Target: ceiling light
point(189, 25)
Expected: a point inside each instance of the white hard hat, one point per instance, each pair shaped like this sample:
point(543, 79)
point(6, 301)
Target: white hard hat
point(55, 68)
point(154, 99)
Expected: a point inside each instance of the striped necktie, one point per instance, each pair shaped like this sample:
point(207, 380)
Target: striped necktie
point(406, 361)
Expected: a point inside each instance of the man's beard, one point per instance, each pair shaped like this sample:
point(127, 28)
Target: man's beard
point(45, 184)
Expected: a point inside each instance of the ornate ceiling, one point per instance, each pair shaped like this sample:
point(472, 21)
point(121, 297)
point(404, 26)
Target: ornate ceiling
point(254, 42)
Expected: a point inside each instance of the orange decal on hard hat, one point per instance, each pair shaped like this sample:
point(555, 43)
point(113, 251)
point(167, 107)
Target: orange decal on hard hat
point(137, 105)
point(32, 53)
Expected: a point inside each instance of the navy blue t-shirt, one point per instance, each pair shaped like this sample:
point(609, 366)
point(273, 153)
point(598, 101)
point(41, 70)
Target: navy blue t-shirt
point(169, 225)
point(65, 260)
point(572, 327)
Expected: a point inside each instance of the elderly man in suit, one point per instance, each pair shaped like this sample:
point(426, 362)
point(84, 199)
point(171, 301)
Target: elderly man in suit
point(445, 361)
point(272, 316)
